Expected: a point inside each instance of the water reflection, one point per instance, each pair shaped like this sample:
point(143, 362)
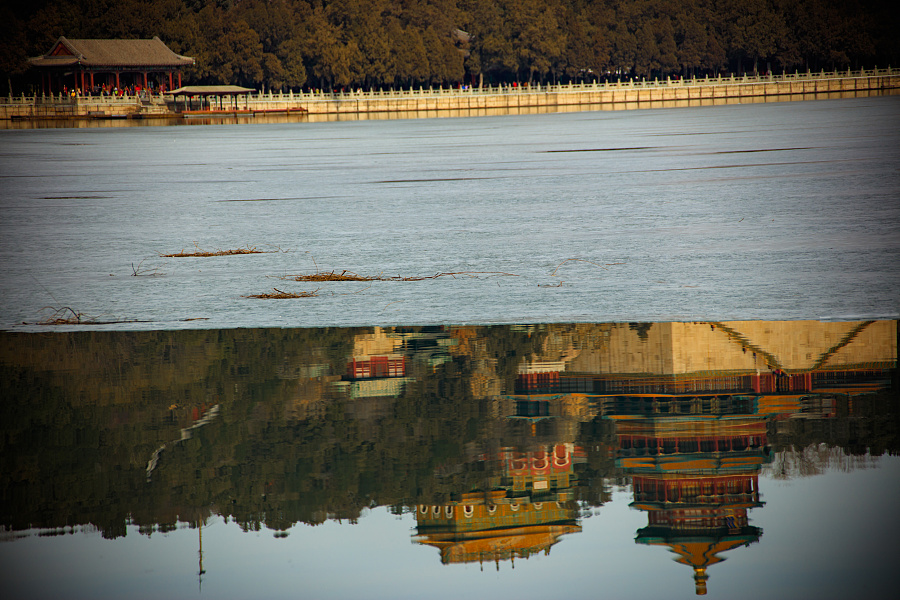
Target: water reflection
point(498, 439)
point(696, 474)
point(525, 508)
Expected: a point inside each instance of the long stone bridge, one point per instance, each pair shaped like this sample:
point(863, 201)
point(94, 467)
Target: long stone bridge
point(469, 101)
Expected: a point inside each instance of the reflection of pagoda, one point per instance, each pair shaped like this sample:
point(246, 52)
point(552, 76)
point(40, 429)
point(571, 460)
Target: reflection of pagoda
point(529, 509)
point(696, 476)
point(690, 401)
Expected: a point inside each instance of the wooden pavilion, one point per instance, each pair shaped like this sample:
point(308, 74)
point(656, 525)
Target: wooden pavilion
point(212, 97)
point(91, 65)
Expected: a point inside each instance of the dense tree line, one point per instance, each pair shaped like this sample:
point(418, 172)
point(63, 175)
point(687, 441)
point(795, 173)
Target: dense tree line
point(281, 44)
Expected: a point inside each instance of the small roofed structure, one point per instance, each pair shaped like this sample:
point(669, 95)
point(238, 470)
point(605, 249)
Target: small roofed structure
point(109, 65)
point(212, 95)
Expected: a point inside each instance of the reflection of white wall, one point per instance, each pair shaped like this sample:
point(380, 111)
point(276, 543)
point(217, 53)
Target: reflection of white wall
point(371, 388)
point(672, 348)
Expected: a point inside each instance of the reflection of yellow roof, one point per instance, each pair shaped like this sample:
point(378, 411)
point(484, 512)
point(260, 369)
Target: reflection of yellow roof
point(770, 405)
point(518, 542)
point(701, 555)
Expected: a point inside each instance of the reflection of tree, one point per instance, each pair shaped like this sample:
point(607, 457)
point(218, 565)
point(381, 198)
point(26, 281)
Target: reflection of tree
point(836, 432)
point(794, 462)
point(641, 328)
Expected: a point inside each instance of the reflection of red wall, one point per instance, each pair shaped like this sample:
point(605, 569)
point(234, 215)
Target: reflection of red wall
point(697, 489)
point(699, 518)
point(781, 382)
point(376, 367)
point(199, 412)
point(537, 381)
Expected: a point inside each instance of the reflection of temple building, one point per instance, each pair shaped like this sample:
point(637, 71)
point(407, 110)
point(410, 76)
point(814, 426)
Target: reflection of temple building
point(696, 476)
point(529, 508)
point(691, 403)
point(379, 364)
point(377, 367)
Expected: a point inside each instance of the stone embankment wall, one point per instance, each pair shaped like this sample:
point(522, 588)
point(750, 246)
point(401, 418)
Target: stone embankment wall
point(612, 96)
point(479, 101)
point(72, 107)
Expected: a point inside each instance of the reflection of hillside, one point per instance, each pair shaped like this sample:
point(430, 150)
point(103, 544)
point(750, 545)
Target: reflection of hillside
point(322, 423)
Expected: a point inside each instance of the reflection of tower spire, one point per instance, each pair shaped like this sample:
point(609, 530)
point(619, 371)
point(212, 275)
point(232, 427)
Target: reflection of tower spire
point(700, 578)
point(200, 552)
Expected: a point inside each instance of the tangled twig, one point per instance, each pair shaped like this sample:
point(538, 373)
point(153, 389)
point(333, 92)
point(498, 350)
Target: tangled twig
point(140, 270)
point(281, 295)
point(350, 276)
point(204, 253)
point(69, 316)
point(66, 316)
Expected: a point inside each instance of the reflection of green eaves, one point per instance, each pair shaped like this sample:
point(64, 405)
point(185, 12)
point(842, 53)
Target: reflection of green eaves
point(771, 360)
point(823, 358)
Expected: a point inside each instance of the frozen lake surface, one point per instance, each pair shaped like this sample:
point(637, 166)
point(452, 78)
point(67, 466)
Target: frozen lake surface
point(763, 211)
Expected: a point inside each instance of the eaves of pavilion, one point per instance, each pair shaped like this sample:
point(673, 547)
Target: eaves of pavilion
point(92, 62)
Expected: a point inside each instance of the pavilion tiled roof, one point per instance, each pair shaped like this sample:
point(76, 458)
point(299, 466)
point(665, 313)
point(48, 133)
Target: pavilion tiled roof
point(211, 90)
point(111, 53)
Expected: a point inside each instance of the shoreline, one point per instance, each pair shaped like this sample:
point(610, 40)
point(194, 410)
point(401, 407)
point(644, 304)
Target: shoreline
point(92, 111)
